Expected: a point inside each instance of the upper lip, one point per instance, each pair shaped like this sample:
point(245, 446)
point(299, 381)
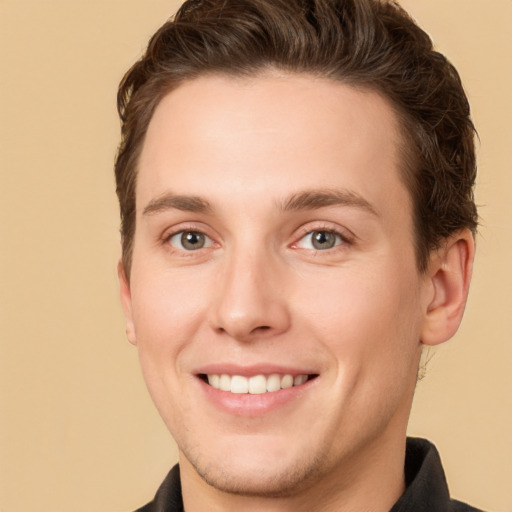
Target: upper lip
point(253, 369)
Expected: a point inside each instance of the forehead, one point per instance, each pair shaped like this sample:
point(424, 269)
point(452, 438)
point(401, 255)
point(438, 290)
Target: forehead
point(274, 132)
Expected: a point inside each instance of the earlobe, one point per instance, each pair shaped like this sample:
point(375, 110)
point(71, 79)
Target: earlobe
point(449, 275)
point(126, 302)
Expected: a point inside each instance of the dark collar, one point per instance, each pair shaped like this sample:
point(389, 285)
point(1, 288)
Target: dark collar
point(426, 491)
point(168, 497)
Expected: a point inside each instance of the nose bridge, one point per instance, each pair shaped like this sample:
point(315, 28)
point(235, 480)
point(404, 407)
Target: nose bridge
point(250, 300)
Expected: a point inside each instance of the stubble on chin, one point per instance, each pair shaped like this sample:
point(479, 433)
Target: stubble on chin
point(287, 481)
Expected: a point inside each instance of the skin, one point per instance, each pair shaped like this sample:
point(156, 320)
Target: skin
point(259, 292)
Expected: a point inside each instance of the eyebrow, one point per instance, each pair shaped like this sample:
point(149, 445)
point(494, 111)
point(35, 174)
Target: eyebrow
point(306, 200)
point(170, 201)
point(315, 199)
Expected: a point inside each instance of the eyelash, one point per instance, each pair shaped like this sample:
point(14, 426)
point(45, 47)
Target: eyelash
point(344, 238)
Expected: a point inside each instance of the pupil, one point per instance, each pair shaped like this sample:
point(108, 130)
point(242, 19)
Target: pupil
point(192, 240)
point(323, 240)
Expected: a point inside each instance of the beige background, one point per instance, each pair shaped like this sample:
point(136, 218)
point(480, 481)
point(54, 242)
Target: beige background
point(77, 429)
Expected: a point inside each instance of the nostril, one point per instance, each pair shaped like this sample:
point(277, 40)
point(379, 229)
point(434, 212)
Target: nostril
point(261, 328)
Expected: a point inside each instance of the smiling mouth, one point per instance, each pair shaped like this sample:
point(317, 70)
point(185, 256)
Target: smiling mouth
point(256, 384)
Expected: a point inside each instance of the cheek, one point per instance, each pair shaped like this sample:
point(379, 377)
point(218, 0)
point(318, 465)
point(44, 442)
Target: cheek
point(366, 317)
point(167, 313)
point(368, 325)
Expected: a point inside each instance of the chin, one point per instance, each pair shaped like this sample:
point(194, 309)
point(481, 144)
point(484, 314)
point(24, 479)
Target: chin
point(255, 477)
point(278, 484)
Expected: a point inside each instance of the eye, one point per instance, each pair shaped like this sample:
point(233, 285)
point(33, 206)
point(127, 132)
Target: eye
point(190, 240)
point(320, 240)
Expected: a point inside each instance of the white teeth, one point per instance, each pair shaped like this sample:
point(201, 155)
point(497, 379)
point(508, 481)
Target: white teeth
point(213, 380)
point(256, 384)
point(286, 381)
point(274, 382)
point(239, 384)
point(225, 382)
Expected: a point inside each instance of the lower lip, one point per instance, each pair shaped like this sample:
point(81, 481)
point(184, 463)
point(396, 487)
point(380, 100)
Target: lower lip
point(245, 404)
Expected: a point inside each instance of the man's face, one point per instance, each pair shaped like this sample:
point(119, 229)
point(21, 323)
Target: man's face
point(274, 242)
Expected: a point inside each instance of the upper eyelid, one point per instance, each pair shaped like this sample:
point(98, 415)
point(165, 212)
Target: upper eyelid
point(345, 233)
point(192, 227)
point(172, 234)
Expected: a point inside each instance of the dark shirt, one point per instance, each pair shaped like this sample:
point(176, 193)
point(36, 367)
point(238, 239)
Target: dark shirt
point(426, 490)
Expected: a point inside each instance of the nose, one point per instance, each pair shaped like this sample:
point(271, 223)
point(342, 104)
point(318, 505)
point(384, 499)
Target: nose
point(250, 302)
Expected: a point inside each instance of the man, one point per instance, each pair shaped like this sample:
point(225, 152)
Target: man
point(295, 180)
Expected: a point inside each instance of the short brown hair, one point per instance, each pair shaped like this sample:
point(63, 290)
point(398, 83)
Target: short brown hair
point(372, 44)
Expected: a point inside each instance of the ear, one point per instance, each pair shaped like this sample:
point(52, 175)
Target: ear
point(126, 301)
point(449, 275)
